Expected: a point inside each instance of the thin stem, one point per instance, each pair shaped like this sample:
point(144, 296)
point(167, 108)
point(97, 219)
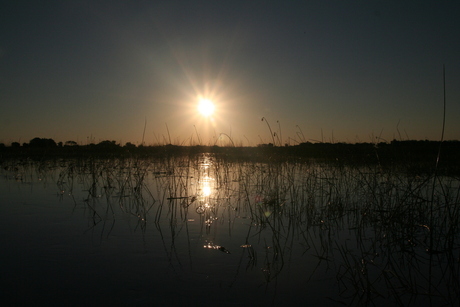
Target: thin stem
point(271, 132)
point(143, 134)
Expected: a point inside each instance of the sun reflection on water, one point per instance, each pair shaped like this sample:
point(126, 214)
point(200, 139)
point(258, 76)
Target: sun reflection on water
point(206, 189)
point(207, 205)
point(206, 182)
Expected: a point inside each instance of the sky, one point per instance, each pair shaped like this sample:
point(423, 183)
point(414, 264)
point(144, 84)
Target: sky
point(277, 71)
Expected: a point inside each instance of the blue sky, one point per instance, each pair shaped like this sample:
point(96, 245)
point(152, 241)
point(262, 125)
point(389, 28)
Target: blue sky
point(348, 71)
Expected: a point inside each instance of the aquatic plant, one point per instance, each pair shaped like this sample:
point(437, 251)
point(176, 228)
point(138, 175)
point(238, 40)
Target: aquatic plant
point(380, 233)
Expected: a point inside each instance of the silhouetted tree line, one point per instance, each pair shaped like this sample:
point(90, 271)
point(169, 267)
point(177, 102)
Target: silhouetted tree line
point(415, 154)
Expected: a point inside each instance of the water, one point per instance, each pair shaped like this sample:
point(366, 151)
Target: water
point(200, 230)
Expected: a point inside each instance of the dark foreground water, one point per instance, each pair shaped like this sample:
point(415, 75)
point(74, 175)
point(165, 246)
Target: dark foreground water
point(200, 230)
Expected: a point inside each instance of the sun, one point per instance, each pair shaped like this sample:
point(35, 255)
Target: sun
point(206, 107)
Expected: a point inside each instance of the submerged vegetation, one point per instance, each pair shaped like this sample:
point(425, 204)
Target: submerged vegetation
point(373, 223)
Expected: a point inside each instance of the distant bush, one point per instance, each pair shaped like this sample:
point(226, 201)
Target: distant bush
point(38, 142)
point(107, 144)
point(130, 145)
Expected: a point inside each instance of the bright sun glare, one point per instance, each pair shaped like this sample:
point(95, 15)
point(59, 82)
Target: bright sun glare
point(206, 107)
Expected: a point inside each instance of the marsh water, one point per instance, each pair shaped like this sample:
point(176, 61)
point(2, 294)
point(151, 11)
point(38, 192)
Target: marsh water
point(205, 230)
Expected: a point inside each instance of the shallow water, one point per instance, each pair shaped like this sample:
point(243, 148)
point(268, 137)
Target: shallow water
point(200, 230)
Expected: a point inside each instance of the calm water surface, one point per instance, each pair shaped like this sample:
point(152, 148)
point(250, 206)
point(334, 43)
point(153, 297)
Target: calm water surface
point(197, 230)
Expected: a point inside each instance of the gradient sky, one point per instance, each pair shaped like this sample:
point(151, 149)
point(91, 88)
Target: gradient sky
point(348, 71)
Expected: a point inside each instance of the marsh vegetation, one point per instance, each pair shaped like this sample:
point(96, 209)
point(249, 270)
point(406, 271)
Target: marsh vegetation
point(264, 228)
